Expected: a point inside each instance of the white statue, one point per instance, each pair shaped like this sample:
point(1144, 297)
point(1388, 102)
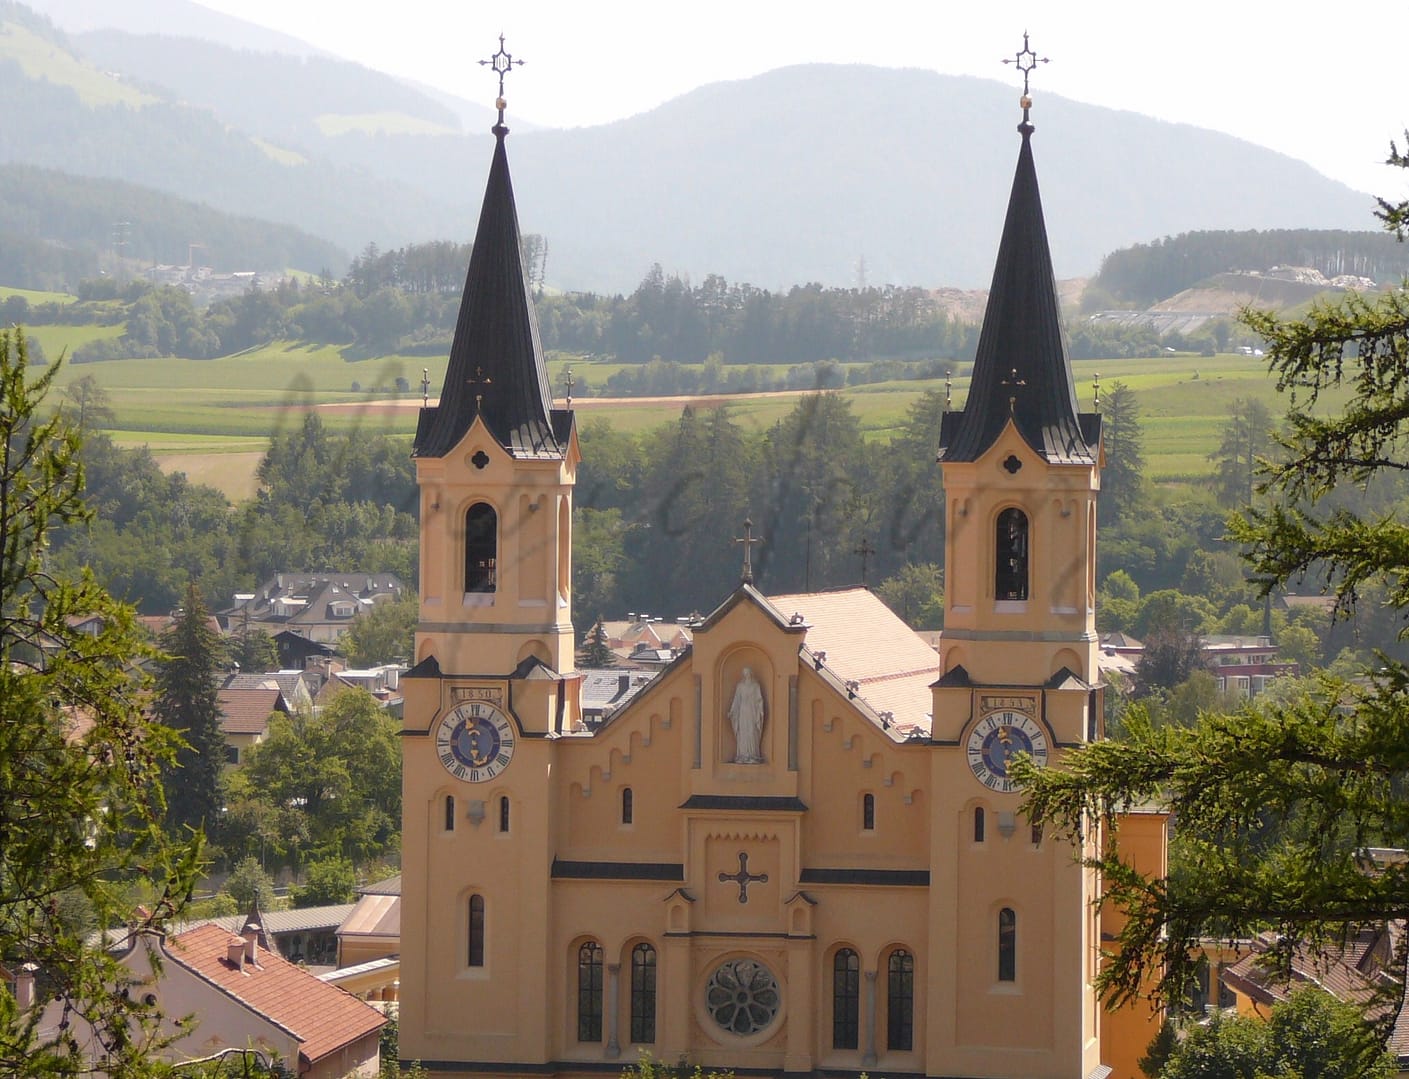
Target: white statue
point(746, 715)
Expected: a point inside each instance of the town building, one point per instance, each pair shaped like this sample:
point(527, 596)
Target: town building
point(316, 606)
point(222, 991)
point(799, 848)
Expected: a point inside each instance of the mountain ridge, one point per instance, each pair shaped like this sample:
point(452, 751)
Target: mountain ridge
point(802, 174)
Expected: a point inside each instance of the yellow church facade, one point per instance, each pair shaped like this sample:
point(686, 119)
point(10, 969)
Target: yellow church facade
point(797, 850)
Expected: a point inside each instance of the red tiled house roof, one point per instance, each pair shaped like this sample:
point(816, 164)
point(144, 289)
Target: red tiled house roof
point(322, 1017)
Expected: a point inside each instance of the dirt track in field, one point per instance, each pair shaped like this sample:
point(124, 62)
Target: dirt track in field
point(400, 406)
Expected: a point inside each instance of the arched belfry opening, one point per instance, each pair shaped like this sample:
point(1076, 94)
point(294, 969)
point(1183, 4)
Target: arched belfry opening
point(481, 548)
point(1010, 580)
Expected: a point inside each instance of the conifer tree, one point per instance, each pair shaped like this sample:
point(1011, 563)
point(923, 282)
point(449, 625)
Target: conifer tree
point(1284, 811)
point(80, 793)
point(188, 702)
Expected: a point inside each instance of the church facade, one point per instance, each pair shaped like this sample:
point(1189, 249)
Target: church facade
point(798, 850)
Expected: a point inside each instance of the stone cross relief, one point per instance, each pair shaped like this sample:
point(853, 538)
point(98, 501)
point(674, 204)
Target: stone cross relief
point(743, 878)
point(746, 715)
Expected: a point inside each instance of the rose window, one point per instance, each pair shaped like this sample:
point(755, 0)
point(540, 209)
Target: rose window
point(742, 996)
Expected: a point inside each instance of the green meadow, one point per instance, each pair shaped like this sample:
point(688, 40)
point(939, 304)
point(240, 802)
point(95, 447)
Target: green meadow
point(226, 409)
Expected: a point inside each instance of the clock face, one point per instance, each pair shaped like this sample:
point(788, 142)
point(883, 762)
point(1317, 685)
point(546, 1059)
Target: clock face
point(996, 739)
point(475, 741)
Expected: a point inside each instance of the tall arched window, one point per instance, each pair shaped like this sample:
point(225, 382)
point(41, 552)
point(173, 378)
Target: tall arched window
point(643, 994)
point(476, 936)
point(900, 1001)
point(978, 824)
point(846, 997)
point(1007, 945)
point(628, 806)
point(868, 812)
point(481, 548)
point(589, 992)
point(449, 812)
point(503, 813)
point(1010, 561)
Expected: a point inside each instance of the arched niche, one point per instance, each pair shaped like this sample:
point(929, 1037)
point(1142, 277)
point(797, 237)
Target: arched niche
point(747, 713)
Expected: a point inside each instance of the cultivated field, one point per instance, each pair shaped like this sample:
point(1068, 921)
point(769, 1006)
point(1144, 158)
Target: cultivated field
point(211, 418)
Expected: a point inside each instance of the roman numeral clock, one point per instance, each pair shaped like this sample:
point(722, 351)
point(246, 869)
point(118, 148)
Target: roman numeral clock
point(475, 741)
point(996, 740)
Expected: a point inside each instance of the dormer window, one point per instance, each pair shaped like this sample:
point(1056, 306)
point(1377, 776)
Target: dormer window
point(1010, 579)
point(481, 548)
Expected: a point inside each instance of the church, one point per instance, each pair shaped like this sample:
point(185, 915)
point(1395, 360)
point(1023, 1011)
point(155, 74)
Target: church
point(798, 849)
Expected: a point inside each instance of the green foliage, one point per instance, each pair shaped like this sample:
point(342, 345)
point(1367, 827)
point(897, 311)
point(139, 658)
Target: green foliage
point(1309, 1034)
point(253, 650)
point(1274, 806)
point(188, 703)
point(598, 654)
point(1247, 437)
point(648, 1067)
point(385, 634)
point(250, 886)
point(1171, 656)
point(1122, 477)
point(1157, 1053)
point(324, 785)
point(81, 803)
point(1395, 215)
point(327, 883)
point(916, 594)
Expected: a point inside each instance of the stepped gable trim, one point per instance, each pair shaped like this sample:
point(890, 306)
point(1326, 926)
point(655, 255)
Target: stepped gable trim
point(1021, 374)
point(496, 370)
point(574, 870)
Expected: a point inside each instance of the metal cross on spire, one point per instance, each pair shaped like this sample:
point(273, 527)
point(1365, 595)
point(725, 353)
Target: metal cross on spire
point(502, 62)
point(1025, 60)
point(748, 541)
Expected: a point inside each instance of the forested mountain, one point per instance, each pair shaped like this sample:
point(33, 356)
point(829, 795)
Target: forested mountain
point(57, 229)
point(792, 176)
point(1146, 273)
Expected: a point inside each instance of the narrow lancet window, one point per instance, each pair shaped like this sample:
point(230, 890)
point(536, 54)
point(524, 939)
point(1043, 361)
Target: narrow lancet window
point(900, 1001)
point(1007, 945)
point(643, 994)
point(846, 999)
point(476, 949)
point(589, 992)
point(1011, 561)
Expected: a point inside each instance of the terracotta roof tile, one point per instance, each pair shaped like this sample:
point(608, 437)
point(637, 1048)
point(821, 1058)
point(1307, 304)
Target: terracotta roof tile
point(323, 1017)
point(246, 711)
point(867, 643)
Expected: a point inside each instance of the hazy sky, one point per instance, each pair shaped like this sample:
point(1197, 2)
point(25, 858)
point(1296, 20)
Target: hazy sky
point(1326, 86)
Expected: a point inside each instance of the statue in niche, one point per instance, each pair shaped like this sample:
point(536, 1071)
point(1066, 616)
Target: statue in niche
point(746, 717)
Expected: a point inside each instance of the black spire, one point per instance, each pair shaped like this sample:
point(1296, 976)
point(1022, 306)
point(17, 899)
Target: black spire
point(496, 366)
point(1021, 370)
